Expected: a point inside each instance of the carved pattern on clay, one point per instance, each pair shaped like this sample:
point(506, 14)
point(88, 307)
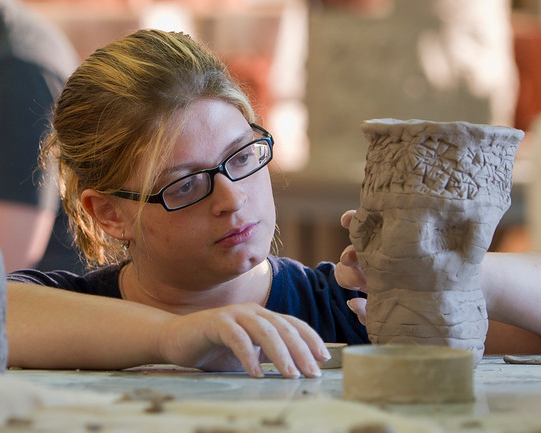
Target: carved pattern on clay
point(432, 196)
point(439, 160)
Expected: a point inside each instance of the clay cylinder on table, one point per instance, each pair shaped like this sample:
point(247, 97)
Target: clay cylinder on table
point(3, 337)
point(407, 374)
point(432, 196)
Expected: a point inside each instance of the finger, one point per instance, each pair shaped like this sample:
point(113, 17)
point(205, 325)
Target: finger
point(298, 349)
point(349, 256)
point(263, 333)
point(346, 218)
point(358, 306)
point(304, 344)
point(240, 343)
point(351, 278)
point(313, 341)
point(292, 345)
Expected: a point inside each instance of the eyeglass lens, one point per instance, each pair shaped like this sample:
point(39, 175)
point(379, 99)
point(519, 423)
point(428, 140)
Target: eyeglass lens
point(239, 165)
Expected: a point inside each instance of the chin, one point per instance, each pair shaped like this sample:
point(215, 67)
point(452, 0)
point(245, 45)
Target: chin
point(249, 260)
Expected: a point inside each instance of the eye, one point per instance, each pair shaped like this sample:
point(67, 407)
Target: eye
point(244, 157)
point(182, 186)
point(187, 188)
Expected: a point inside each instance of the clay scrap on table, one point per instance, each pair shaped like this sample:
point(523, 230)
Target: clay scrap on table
point(30, 408)
point(432, 196)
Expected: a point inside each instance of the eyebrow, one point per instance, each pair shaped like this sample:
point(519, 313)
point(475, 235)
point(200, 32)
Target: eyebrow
point(188, 168)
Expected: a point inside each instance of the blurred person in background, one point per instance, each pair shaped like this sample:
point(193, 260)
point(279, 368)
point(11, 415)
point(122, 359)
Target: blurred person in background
point(35, 60)
point(3, 335)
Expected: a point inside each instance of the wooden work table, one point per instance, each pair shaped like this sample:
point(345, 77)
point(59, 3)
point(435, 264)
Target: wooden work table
point(507, 396)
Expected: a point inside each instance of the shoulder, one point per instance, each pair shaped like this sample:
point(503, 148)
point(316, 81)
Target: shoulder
point(284, 267)
point(314, 295)
point(103, 281)
point(299, 283)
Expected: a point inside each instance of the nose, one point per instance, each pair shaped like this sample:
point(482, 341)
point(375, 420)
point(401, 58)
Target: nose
point(227, 196)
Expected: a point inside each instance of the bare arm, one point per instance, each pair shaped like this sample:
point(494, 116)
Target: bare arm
point(24, 233)
point(53, 328)
point(512, 287)
point(511, 284)
point(50, 328)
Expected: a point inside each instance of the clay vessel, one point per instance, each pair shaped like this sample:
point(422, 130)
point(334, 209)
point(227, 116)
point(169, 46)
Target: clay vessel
point(432, 196)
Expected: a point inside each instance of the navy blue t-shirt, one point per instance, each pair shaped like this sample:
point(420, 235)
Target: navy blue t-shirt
point(312, 295)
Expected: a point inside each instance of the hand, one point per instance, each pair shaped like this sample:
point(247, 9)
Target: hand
point(236, 336)
point(349, 274)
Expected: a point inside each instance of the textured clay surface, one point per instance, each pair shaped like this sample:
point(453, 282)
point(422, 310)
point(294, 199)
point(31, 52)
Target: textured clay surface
point(431, 199)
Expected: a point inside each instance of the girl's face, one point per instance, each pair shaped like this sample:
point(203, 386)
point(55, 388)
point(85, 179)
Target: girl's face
point(226, 233)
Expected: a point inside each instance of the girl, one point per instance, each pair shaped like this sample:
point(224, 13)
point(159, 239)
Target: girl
point(164, 174)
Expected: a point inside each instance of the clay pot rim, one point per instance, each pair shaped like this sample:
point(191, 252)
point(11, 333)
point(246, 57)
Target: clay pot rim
point(406, 351)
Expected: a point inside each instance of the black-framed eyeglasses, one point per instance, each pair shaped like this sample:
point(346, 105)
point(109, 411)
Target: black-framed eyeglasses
point(194, 187)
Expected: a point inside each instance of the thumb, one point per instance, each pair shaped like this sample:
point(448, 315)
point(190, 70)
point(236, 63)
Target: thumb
point(358, 306)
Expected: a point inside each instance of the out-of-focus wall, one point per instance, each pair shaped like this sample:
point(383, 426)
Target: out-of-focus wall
point(317, 68)
point(441, 60)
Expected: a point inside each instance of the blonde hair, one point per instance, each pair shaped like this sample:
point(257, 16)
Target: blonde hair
point(124, 102)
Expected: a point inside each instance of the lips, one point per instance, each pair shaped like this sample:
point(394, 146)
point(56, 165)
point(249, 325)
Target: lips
point(239, 235)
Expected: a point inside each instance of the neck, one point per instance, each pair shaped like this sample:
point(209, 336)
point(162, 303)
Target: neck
point(252, 286)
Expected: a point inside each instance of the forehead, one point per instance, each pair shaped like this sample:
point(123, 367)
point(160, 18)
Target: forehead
point(207, 132)
point(211, 129)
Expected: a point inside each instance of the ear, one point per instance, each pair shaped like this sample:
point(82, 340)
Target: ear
point(104, 209)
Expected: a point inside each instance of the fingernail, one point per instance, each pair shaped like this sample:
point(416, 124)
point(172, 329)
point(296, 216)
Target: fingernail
point(349, 305)
point(325, 354)
point(258, 373)
point(293, 372)
point(314, 371)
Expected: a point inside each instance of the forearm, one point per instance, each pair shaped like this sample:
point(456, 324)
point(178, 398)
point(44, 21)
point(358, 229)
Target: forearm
point(52, 328)
point(512, 287)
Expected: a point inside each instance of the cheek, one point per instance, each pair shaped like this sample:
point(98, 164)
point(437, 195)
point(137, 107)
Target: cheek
point(265, 199)
point(161, 229)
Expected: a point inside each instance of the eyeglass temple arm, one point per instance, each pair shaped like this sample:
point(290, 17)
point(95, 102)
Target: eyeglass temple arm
point(262, 131)
point(152, 198)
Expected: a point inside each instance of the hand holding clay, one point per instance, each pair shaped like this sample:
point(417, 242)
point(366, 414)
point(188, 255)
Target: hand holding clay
point(432, 196)
point(349, 274)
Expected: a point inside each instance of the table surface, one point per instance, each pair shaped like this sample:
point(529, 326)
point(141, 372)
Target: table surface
point(499, 387)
